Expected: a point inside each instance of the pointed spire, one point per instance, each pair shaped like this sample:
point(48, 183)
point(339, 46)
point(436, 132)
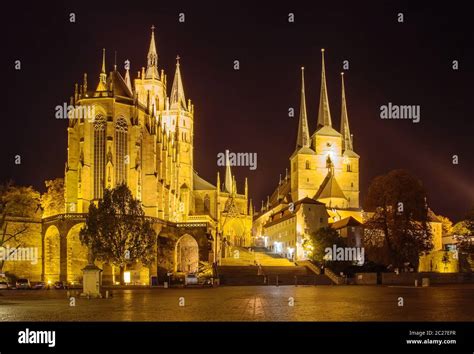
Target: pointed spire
point(246, 188)
point(234, 185)
point(345, 131)
point(128, 82)
point(177, 99)
point(152, 59)
point(324, 115)
point(218, 184)
point(228, 174)
point(303, 131)
point(102, 86)
point(85, 83)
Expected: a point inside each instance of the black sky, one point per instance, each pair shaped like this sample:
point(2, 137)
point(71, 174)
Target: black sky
point(247, 110)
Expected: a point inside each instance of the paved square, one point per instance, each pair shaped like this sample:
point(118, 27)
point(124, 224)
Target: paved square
point(248, 303)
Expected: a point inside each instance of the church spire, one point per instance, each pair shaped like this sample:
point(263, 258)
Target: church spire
point(102, 86)
point(152, 58)
point(346, 133)
point(178, 99)
point(324, 115)
point(228, 181)
point(303, 131)
point(128, 82)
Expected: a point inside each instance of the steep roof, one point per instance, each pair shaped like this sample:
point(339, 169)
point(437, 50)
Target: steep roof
point(327, 131)
point(349, 221)
point(201, 184)
point(350, 153)
point(285, 213)
point(283, 191)
point(303, 151)
point(329, 188)
point(119, 86)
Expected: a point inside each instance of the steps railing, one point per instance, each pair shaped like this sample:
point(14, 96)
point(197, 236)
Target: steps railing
point(336, 279)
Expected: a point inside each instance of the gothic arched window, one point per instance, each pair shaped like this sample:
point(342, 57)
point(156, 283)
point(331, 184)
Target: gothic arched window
point(307, 164)
point(121, 151)
point(99, 156)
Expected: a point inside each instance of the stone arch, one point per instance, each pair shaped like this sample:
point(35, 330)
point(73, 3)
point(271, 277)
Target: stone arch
point(76, 254)
point(187, 254)
point(52, 254)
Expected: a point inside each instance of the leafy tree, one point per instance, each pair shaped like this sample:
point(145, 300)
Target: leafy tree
point(447, 224)
point(117, 231)
point(318, 241)
point(52, 201)
point(397, 228)
point(16, 201)
point(464, 232)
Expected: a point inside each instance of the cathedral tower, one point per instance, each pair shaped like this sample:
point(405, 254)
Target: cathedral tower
point(303, 160)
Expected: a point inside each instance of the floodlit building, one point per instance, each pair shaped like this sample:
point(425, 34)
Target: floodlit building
point(140, 132)
point(324, 169)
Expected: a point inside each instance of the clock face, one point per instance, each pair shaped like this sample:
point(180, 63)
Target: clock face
point(328, 144)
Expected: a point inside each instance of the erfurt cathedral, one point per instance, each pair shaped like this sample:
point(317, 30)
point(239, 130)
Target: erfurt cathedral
point(141, 133)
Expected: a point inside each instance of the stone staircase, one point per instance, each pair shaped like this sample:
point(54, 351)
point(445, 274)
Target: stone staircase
point(241, 270)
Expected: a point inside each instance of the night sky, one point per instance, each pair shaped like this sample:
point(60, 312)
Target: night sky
point(247, 110)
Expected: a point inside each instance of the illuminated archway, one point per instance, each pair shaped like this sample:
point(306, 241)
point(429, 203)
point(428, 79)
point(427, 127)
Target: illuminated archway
point(76, 255)
point(187, 254)
point(52, 254)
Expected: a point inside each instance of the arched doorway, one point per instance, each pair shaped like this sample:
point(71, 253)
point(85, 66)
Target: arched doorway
point(51, 254)
point(76, 255)
point(187, 254)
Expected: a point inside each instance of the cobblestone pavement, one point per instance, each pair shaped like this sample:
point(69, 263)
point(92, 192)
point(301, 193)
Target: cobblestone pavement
point(249, 303)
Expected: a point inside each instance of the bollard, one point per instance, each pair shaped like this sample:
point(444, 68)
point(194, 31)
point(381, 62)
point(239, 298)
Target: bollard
point(277, 280)
point(416, 282)
point(296, 280)
point(425, 282)
point(106, 294)
point(68, 294)
point(165, 285)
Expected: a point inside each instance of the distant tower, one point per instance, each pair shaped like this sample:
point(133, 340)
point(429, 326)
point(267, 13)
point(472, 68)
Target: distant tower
point(349, 179)
point(302, 161)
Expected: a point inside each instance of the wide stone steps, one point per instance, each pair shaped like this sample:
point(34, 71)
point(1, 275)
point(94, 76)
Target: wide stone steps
point(250, 275)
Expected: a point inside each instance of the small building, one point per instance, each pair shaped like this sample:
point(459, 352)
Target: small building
point(351, 230)
point(286, 230)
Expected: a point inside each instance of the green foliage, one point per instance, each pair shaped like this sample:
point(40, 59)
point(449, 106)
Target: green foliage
point(446, 224)
point(16, 201)
point(464, 233)
point(52, 201)
point(397, 230)
point(117, 231)
point(318, 241)
point(19, 201)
